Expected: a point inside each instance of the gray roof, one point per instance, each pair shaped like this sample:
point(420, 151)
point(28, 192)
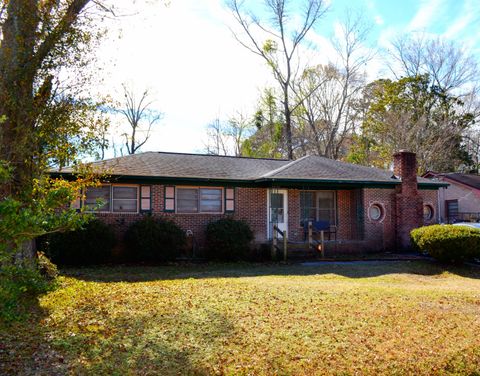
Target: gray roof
point(198, 166)
point(176, 165)
point(472, 180)
point(316, 167)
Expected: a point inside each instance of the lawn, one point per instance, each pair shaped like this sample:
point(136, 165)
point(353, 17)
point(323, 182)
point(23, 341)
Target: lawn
point(344, 318)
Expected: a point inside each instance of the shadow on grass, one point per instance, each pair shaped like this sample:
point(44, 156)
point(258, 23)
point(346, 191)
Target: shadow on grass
point(357, 269)
point(24, 349)
point(142, 343)
point(132, 343)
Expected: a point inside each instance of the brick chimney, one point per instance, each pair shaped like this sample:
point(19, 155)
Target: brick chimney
point(409, 203)
point(405, 167)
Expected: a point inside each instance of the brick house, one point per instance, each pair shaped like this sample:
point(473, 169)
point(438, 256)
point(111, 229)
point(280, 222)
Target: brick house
point(460, 201)
point(367, 209)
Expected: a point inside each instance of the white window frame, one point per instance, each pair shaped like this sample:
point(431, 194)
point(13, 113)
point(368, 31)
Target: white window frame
point(382, 209)
point(111, 200)
point(222, 199)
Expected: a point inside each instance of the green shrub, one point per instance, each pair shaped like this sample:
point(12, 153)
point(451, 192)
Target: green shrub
point(46, 268)
point(88, 246)
point(154, 240)
point(228, 239)
point(18, 285)
point(416, 235)
point(448, 243)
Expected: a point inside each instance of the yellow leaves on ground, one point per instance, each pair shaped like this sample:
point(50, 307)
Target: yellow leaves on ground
point(379, 318)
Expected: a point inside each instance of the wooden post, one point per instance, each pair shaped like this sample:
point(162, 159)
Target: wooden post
point(310, 240)
point(274, 242)
point(285, 246)
point(322, 242)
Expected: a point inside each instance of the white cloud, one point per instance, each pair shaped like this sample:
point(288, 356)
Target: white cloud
point(458, 25)
point(425, 14)
point(468, 15)
point(378, 20)
point(372, 9)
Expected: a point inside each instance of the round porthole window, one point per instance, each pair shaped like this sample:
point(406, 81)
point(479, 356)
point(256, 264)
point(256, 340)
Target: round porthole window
point(427, 212)
point(375, 212)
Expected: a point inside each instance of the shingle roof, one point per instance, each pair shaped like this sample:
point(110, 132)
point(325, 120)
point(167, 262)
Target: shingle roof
point(161, 164)
point(472, 180)
point(198, 166)
point(316, 167)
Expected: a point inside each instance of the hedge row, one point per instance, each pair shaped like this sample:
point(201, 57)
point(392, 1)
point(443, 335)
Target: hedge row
point(148, 240)
point(448, 243)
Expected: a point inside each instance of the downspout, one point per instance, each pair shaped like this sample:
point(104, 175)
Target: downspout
point(439, 217)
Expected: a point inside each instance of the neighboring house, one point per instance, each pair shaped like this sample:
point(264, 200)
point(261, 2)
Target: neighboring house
point(460, 201)
point(370, 209)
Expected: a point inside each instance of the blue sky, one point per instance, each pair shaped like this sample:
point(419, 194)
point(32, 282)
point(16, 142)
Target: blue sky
point(456, 19)
point(185, 54)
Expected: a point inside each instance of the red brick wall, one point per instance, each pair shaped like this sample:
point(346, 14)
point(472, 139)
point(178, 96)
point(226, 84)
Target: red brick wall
point(251, 205)
point(346, 215)
point(409, 203)
point(430, 197)
point(405, 166)
point(295, 231)
point(380, 234)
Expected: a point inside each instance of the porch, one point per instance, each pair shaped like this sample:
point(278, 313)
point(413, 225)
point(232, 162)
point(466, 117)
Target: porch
point(319, 223)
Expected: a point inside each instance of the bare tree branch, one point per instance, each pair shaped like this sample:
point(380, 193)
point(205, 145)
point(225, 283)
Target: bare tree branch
point(449, 65)
point(327, 93)
point(278, 52)
point(137, 111)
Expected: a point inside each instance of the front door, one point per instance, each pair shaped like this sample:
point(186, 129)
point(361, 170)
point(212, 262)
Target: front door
point(277, 210)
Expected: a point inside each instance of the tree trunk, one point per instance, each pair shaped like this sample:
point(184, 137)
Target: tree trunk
point(25, 254)
point(288, 125)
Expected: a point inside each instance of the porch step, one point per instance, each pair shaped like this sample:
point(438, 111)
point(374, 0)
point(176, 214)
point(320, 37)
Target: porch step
point(298, 251)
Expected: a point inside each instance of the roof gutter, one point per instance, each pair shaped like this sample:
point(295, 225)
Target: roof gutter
point(262, 182)
point(330, 182)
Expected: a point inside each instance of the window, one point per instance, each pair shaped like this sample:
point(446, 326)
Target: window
point(277, 210)
point(318, 206)
point(199, 200)
point(375, 212)
point(427, 212)
point(116, 198)
point(210, 200)
point(326, 206)
point(125, 199)
point(98, 198)
point(187, 200)
point(308, 210)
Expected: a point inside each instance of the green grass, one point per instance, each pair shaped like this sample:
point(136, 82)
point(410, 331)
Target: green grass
point(363, 318)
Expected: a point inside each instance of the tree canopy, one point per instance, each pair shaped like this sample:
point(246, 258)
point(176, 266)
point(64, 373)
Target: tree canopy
point(415, 114)
point(47, 118)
